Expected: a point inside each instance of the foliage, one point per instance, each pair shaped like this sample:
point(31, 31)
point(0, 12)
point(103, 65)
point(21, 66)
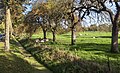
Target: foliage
point(100, 27)
point(16, 7)
point(92, 28)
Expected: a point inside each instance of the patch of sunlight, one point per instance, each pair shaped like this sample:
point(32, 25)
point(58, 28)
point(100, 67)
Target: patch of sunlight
point(1, 44)
point(34, 63)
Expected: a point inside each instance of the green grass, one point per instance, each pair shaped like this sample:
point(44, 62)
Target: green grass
point(18, 62)
point(89, 45)
point(91, 51)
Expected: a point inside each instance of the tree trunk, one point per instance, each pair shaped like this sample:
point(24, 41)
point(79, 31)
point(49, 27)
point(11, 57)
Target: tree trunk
point(11, 29)
point(54, 38)
point(8, 22)
point(44, 34)
point(114, 42)
point(73, 36)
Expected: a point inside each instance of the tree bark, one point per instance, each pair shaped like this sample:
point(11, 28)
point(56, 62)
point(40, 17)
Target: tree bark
point(73, 36)
point(44, 34)
point(54, 37)
point(114, 42)
point(11, 29)
point(8, 22)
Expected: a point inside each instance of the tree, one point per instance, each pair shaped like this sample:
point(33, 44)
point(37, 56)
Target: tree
point(30, 23)
point(114, 20)
point(37, 18)
point(53, 27)
point(74, 17)
point(56, 12)
point(49, 15)
point(98, 6)
point(8, 22)
point(61, 9)
point(8, 5)
point(44, 23)
point(70, 18)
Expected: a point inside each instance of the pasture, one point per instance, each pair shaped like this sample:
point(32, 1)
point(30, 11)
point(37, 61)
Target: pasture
point(88, 45)
point(92, 48)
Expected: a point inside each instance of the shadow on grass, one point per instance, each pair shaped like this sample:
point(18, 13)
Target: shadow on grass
point(91, 47)
point(67, 35)
point(62, 62)
point(10, 63)
point(98, 49)
point(105, 37)
point(14, 62)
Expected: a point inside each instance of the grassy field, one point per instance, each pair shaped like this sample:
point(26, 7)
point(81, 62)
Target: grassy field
point(89, 45)
point(92, 49)
point(18, 61)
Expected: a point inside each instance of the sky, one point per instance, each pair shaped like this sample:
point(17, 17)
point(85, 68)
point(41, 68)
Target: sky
point(28, 9)
point(87, 21)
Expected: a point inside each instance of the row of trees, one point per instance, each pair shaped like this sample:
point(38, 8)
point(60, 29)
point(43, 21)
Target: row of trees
point(72, 12)
point(52, 13)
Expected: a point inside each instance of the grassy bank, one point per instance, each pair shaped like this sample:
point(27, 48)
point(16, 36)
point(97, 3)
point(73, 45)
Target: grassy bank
point(18, 61)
